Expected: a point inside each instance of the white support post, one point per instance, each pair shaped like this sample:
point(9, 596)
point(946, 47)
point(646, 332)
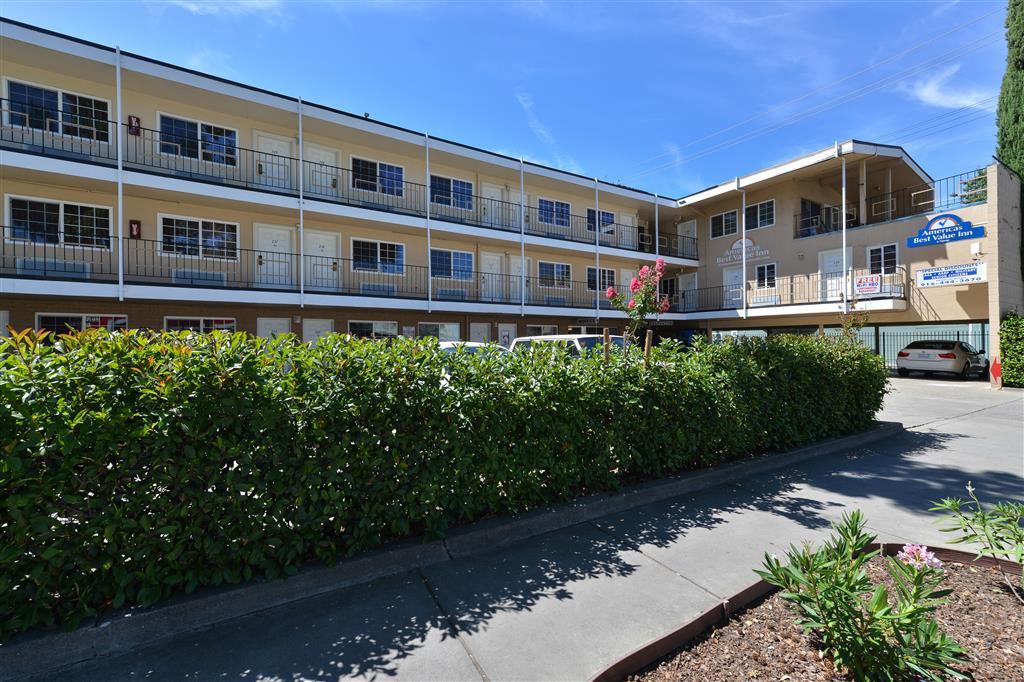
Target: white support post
point(430, 271)
point(863, 207)
point(302, 218)
point(120, 141)
point(888, 194)
point(597, 253)
point(657, 234)
point(522, 238)
point(842, 213)
point(743, 242)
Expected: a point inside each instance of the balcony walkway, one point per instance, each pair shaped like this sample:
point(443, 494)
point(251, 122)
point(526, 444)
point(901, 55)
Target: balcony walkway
point(563, 605)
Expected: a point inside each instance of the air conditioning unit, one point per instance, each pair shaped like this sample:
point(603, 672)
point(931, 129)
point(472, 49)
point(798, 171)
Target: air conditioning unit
point(555, 300)
point(765, 300)
point(50, 267)
point(377, 289)
point(200, 277)
point(453, 294)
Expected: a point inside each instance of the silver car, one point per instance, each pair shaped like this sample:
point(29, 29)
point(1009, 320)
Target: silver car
point(954, 357)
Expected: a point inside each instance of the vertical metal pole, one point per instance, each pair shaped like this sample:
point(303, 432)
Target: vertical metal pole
point(657, 234)
point(430, 270)
point(120, 140)
point(743, 243)
point(863, 204)
point(522, 238)
point(842, 213)
point(888, 194)
point(597, 253)
point(302, 220)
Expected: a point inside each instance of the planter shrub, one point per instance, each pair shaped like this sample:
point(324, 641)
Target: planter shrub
point(1011, 345)
point(137, 465)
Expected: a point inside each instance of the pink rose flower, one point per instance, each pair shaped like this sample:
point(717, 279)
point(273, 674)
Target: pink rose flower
point(610, 293)
point(645, 272)
point(632, 304)
point(664, 305)
point(659, 265)
point(635, 285)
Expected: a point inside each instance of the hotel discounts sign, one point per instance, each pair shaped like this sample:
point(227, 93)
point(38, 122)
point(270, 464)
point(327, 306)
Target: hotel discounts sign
point(943, 228)
point(735, 253)
point(951, 275)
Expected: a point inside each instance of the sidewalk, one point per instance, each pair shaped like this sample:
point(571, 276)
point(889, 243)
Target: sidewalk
point(565, 604)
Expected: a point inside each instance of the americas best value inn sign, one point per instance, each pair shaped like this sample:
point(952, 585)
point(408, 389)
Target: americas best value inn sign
point(943, 228)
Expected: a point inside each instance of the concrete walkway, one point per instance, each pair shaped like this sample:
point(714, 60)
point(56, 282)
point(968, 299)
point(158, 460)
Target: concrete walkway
point(564, 605)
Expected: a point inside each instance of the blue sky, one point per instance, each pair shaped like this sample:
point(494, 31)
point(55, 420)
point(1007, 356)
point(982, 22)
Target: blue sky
point(669, 97)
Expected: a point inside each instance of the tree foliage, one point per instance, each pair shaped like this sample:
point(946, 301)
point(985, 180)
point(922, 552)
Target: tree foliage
point(1010, 114)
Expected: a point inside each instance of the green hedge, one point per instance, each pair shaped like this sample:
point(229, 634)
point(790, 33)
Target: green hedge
point(1011, 348)
point(136, 465)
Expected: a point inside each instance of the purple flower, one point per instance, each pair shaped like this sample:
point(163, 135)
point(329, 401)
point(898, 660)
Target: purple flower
point(918, 556)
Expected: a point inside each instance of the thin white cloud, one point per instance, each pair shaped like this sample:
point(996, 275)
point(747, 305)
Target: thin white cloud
point(212, 62)
point(230, 8)
point(937, 90)
point(542, 133)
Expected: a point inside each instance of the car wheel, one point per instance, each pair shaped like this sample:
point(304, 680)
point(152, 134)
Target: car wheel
point(965, 373)
point(983, 375)
point(902, 371)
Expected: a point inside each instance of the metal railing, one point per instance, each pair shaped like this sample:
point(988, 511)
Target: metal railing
point(40, 253)
point(814, 287)
point(945, 194)
point(221, 160)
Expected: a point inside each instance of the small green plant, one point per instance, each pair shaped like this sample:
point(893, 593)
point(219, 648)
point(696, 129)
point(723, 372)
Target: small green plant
point(998, 531)
point(867, 632)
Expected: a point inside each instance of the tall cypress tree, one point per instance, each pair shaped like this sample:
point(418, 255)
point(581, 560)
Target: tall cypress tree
point(1010, 116)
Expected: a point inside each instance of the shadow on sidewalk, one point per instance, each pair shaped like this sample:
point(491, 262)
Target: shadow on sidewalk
point(369, 630)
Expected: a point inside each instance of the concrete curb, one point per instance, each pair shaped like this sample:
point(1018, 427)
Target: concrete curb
point(41, 654)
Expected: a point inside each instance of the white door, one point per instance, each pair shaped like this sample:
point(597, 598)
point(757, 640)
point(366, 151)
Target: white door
point(269, 327)
point(686, 236)
point(313, 329)
point(625, 277)
point(830, 270)
point(515, 268)
point(513, 198)
point(273, 161)
point(480, 332)
point(627, 234)
point(688, 290)
point(495, 210)
point(321, 171)
point(506, 332)
point(322, 262)
point(493, 285)
point(732, 296)
point(275, 257)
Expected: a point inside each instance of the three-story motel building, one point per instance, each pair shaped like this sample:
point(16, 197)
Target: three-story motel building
point(141, 194)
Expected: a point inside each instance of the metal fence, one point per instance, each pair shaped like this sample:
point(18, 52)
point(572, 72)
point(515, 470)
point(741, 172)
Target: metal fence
point(888, 342)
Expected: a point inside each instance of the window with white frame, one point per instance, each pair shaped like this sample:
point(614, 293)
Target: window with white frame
point(377, 176)
point(554, 274)
point(765, 276)
point(202, 325)
point(882, 260)
point(607, 221)
point(373, 256)
point(442, 331)
point(198, 140)
point(451, 264)
point(607, 278)
point(368, 329)
point(58, 222)
point(56, 111)
point(541, 329)
point(451, 192)
point(551, 212)
point(61, 323)
point(761, 214)
point(185, 236)
point(723, 224)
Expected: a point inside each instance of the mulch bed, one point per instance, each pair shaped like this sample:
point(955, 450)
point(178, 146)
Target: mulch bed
point(764, 642)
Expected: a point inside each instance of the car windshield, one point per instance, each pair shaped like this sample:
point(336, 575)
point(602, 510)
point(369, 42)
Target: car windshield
point(932, 345)
point(596, 342)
